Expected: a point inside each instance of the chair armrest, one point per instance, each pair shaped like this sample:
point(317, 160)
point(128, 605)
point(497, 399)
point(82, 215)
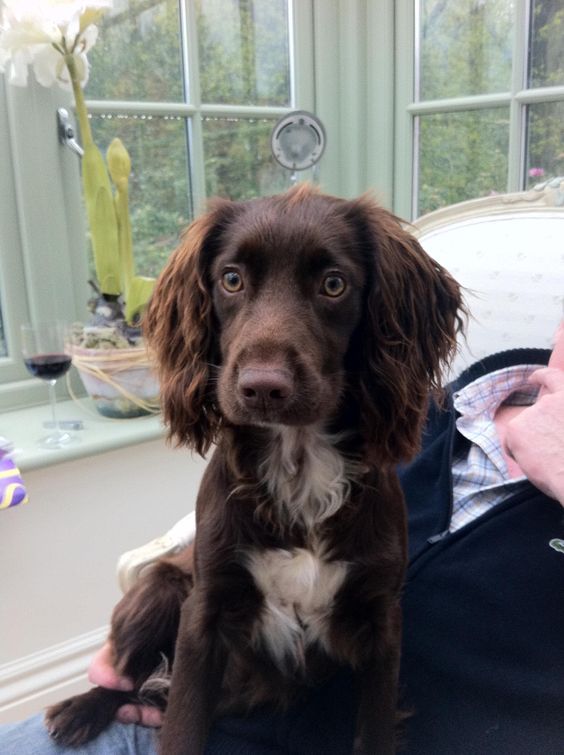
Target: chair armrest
point(132, 563)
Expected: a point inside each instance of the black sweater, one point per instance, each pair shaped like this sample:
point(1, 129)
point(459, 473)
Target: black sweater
point(483, 656)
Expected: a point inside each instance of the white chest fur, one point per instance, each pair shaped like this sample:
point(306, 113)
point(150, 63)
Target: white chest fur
point(307, 478)
point(308, 482)
point(299, 588)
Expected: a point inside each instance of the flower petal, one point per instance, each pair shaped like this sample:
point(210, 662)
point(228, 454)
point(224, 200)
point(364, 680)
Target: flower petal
point(72, 31)
point(89, 37)
point(45, 64)
point(25, 34)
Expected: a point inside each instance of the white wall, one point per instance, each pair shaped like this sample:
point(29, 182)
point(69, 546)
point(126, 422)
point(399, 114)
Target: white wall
point(58, 559)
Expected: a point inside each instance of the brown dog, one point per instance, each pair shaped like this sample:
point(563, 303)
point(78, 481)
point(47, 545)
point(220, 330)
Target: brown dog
point(302, 334)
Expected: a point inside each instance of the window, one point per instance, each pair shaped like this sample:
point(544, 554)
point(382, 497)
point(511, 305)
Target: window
point(193, 88)
point(193, 91)
point(471, 102)
point(487, 105)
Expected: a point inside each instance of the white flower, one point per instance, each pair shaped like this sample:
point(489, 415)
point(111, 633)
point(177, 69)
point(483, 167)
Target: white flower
point(40, 32)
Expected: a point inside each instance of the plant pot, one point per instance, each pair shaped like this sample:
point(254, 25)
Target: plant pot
point(121, 382)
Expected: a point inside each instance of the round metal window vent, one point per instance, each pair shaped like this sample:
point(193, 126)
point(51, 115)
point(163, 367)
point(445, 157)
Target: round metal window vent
point(298, 140)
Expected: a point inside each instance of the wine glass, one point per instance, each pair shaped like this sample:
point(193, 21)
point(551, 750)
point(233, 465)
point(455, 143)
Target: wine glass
point(43, 349)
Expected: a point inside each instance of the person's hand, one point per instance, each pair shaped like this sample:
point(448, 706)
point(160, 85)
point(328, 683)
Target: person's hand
point(535, 437)
point(102, 673)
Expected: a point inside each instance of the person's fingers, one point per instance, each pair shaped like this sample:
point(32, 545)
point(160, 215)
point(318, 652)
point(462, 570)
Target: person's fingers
point(549, 379)
point(102, 673)
point(140, 714)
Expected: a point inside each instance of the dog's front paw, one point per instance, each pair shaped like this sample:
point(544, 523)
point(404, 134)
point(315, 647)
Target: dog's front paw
point(79, 719)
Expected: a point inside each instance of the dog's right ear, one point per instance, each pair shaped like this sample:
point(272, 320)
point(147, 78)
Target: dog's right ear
point(179, 329)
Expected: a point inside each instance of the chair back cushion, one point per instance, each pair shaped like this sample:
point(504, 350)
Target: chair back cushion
point(508, 253)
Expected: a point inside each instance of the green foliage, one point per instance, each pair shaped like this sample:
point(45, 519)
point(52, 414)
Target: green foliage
point(238, 160)
point(138, 55)
point(547, 44)
point(546, 120)
point(243, 54)
point(140, 290)
point(244, 51)
point(462, 155)
point(244, 59)
point(466, 49)
point(546, 141)
point(158, 185)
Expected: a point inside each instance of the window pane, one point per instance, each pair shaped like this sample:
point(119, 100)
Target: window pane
point(238, 160)
point(244, 52)
point(547, 44)
point(159, 194)
point(461, 156)
point(138, 54)
point(545, 137)
point(466, 47)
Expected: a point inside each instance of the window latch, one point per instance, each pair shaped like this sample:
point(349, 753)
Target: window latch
point(66, 132)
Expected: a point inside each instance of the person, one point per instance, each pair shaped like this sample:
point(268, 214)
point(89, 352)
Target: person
point(483, 651)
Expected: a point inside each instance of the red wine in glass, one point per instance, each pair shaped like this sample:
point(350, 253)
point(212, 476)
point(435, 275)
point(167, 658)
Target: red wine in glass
point(48, 366)
point(43, 349)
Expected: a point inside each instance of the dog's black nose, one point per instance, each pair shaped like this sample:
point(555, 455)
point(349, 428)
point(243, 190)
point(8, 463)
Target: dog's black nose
point(265, 387)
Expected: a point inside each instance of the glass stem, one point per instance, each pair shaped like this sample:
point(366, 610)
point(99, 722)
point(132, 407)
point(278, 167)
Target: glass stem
point(53, 401)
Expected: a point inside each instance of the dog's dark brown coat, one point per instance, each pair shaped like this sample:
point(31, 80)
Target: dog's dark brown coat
point(287, 330)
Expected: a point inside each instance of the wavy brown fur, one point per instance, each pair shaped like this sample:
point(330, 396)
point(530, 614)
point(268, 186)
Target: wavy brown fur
point(413, 312)
point(312, 399)
point(179, 326)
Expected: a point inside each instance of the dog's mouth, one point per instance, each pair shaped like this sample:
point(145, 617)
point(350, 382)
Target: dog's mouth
point(267, 417)
point(294, 412)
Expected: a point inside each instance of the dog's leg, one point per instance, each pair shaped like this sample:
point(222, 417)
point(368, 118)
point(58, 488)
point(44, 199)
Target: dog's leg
point(378, 682)
point(145, 621)
point(196, 682)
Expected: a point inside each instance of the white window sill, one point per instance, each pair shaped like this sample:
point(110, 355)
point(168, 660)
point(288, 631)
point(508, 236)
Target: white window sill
point(24, 427)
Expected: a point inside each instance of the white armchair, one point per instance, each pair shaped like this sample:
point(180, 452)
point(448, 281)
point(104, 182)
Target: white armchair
point(508, 252)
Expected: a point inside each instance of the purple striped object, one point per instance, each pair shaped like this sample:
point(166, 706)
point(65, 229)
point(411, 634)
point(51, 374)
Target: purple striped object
point(12, 490)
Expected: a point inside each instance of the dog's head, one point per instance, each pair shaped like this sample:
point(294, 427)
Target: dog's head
point(275, 310)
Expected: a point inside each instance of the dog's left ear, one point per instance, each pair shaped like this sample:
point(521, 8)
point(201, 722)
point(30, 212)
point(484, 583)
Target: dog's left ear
point(179, 329)
point(413, 312)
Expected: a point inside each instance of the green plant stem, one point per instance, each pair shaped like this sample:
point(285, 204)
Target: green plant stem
point(79, 102)
point(97, 195)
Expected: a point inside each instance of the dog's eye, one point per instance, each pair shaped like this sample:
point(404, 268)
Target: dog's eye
point(232, 281)
point(333, 285)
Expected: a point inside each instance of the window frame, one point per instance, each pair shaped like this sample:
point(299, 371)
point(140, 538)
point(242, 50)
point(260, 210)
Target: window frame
point(42, 276)
point(409, 108)
point(195, 110)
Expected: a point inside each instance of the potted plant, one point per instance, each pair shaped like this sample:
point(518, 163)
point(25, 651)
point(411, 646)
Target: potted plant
point(54, 38)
